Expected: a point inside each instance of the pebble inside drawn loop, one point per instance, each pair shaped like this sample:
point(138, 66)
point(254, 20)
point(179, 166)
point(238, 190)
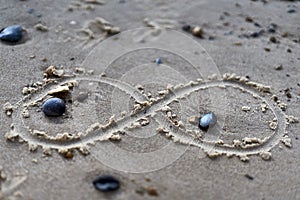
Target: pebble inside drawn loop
point(54, 107)
point(154, 103)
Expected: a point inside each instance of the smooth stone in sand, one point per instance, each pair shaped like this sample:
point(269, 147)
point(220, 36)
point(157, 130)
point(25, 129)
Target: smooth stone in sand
point(207, 120)
point(106, 183)
point(11, 33)
point(158, 61)
point(54, 107)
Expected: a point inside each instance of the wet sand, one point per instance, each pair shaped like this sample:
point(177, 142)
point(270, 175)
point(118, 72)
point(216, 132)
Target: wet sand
point(141, 112)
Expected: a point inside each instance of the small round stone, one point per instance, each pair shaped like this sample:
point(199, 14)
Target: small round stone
point(186, 27)
point(54, 107)
point(158, 61)
point(106, 183)
point(11, 33)
point(207, 120)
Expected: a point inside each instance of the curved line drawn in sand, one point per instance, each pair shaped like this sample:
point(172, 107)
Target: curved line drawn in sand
point(153, 109)
point(129, 57)
point(145, 110)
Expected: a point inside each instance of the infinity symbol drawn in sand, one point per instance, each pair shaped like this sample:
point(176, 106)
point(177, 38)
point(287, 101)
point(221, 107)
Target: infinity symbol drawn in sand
point(144, 103)
point(155, 110)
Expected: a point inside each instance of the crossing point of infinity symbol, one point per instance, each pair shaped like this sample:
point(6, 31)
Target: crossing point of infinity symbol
point(140, 109)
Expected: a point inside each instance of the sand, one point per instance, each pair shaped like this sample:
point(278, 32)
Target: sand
point(132, 118)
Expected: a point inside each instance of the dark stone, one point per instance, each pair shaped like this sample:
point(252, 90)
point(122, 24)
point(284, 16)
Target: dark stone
point(272, 28)
point(226, 13)
point(249, 177)
point(273, 39)
point(158, 61)
point(211, 37)
point(186, 27)
point(54, 107)
point(249, 19)
point(257, 24)
point(11, 33)
point(257, 34)
point(274, 25)
point(106, 183)
point(30, 10)
point(291, 11)
point(288, 93)
point(207, 121)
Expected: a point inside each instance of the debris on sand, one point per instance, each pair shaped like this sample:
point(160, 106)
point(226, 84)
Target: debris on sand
point(41, 27)
point(8, 108)
point(197, 31)
point(52, 72)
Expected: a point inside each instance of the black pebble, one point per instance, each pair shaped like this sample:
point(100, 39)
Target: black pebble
point(272, 28)
point(54, 107)
point(257, 24)
point(11, 33)
point(291, 11)
point(257, 34)
point(186, 27)
point(249, 177)
point(273, 39)
point(106, 183)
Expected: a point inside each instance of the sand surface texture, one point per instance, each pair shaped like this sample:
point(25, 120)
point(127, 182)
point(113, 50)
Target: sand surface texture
point(135, 77)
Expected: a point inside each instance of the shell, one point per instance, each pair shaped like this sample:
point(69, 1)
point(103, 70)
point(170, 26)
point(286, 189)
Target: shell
point(11, 33)
point(197, 31)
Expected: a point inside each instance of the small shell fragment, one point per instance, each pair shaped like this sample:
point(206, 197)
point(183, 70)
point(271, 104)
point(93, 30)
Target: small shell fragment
point(197, 31)
point(41, 27)
point(265, 155)
point(246, 108)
